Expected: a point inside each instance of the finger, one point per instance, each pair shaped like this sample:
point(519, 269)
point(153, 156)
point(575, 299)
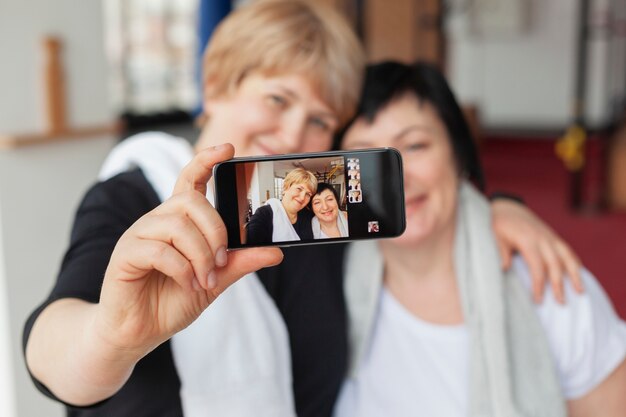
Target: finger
point(555, 272)
point(179, 231)
point(505, 255)
point(208, 221)
point(243, 262)
point(531, 255)
point(156, 255)
point(197, 173)
point(572, 265)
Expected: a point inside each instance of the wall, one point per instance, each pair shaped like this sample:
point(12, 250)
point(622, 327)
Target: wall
point(7, 386)
point(22, 25)
point(41, 185)
point(524, 77)
point(40, 188)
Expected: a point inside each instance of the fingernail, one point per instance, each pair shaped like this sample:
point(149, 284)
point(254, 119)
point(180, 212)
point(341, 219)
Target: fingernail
point(221, 257)
point(219, 147)
point(211, 280)
point(195, 284)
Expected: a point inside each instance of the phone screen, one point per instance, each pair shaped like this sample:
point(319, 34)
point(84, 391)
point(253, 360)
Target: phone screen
point(311, 198)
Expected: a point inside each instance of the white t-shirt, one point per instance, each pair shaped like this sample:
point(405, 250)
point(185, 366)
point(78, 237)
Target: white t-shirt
point(416, 368)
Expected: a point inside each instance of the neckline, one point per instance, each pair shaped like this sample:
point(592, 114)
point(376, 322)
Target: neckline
point(390, 305)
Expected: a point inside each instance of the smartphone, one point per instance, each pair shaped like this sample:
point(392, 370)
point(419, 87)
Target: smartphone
point(312, 198)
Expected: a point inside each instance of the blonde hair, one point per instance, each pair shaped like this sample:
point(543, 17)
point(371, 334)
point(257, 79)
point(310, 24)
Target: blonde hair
point(275, 37)
point(301, 176)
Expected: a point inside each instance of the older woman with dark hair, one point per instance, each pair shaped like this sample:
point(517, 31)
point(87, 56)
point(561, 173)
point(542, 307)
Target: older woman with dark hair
point(436, 327)
point(329, 220)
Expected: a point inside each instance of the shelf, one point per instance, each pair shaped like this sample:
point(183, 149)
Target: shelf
point(23, 140)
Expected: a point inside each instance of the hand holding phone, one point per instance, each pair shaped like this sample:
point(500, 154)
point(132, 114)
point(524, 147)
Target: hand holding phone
point(311, 198)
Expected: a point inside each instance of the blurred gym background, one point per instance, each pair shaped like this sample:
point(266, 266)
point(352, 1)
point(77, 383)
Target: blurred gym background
point(543, 84)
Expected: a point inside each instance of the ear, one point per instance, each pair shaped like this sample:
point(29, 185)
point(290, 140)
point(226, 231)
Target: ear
point(209, 97)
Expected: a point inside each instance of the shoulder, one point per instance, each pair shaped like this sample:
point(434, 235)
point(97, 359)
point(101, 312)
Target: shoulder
point(131, 186)
point(264, 211)
point(587, 337)
point(124, 197)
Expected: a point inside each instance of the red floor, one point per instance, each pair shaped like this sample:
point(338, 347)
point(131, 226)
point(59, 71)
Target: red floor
point(530, 169)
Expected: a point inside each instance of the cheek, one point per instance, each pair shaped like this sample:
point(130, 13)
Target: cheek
point(240, 121)
point(253, 117)
point(316, 141)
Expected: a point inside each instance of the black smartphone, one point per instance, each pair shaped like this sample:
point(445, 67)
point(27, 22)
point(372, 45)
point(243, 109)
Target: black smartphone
point(299, 199)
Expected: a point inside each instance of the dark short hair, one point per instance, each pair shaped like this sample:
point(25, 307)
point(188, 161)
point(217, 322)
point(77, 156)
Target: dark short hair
point(389, 80)
point(321, 187)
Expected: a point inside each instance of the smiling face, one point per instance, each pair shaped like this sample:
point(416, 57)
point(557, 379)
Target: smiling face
point(270, 115)
point(325, 207)
point(430, 175)
point(296, 197)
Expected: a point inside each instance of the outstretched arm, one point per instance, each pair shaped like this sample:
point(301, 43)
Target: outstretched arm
point(164, 271)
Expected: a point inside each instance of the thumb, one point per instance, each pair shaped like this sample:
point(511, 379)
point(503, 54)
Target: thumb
point(243, 262)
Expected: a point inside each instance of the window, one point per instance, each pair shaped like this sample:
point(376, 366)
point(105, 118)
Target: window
point(152, 48)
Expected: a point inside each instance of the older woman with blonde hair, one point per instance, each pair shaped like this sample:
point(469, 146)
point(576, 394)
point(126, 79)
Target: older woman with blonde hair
point(285, 220)
point(122, 332)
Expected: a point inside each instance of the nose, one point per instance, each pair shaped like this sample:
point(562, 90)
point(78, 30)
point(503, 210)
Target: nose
point(293, 130)
point(324, 205)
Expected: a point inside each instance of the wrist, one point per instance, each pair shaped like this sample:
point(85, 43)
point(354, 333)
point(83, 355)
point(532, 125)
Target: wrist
point(111, 344)
point(100, 368)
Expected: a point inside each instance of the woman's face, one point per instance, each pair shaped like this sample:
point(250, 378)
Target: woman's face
point(270, 115)
point(325, 206)
point(296, 197)
point(430, 175)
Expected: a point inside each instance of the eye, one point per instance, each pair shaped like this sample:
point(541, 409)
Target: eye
point(320, 123)
point(415, 146)
point(277, 101)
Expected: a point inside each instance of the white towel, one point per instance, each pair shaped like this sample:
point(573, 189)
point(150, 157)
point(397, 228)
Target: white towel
point(342, 225)
point(282, 229)
point(234, 360)
point(512, 373)
point(160, 156)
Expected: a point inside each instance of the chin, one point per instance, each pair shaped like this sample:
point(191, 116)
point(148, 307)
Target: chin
point(416, 233)
point(409, 238)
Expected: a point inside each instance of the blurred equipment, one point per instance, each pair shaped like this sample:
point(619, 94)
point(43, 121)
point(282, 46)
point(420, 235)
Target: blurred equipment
point(616, 181)
point(571, 147)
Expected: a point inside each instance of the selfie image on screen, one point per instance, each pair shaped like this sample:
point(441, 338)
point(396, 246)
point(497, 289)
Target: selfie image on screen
point(290, 200)
point(329, 197)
